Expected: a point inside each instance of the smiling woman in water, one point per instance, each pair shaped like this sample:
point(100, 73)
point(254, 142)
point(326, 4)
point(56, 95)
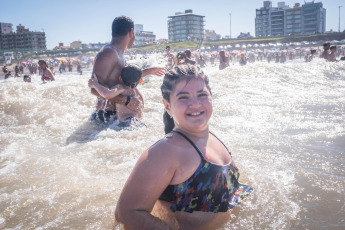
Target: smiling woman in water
point(187, 180)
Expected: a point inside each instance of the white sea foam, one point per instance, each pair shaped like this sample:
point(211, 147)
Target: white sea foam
point(283, 123)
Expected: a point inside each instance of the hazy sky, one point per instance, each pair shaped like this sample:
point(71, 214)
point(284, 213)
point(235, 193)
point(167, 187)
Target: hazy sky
point(90, 20)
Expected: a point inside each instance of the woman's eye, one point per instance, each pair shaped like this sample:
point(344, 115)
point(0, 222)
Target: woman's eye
point(183, 98)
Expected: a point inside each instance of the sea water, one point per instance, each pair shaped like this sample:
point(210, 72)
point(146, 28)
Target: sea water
point(283, 123)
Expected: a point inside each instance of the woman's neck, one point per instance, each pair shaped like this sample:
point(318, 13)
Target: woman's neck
point(197, 134)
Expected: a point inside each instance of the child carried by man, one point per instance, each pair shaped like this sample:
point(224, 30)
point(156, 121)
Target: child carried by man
point(130, 77)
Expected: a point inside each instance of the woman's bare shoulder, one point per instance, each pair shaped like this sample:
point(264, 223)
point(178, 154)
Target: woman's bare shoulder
point(169, 147)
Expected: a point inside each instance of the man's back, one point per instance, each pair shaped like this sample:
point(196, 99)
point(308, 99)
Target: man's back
point(108, 65)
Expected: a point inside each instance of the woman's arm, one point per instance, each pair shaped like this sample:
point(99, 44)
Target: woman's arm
point(104, 91)
point(150, 176)
point(49, 74)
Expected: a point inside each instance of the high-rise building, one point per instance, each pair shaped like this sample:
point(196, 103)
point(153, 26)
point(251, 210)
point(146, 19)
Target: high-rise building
point(185, 27)
point(314, 18)
point(277, 15)
point(293, 20)
point(262, 20)
point(282, 20)
point(5, 28)
point(143, 37)
point(23, 39)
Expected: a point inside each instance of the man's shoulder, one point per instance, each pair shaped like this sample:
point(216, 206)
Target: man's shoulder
point(106, 51)
point(106, 56)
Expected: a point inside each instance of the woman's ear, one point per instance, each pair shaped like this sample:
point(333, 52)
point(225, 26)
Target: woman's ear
point(167, 106)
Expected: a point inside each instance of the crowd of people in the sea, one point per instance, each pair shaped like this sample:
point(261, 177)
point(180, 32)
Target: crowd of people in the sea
point(224, 58)
point(44, 68)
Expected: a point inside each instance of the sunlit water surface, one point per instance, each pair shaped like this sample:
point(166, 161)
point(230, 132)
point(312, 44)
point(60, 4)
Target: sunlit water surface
point(284, 124)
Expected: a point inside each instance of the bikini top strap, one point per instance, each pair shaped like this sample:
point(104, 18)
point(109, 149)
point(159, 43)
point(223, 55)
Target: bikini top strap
point(221, 142)
point(191, 142)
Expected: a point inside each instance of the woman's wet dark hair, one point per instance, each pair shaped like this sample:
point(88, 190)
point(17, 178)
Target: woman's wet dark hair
point(171, 78)
point(121, 26)
point(42, 61)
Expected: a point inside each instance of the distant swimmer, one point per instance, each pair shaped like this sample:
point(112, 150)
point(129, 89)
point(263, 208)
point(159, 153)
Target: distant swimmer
point(223, 60)
point(5, 69)
point(129, 79)
point(310, 57)
point(108, 65)
point(8, 74)
point(188, 57)
point(182, 58)
point(79, 70)
point(332, 55)
point(243, 60)
point(17, 71)
point(170, 57)
point(325, 53)
point(27, 78)
point(46, 73)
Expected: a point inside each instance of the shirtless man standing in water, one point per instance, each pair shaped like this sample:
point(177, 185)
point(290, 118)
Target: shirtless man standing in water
point(108, 65)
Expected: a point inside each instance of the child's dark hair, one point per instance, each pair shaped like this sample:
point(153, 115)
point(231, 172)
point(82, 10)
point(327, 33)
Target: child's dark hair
point(171, 78)
point(131, 75)
point(121, 26)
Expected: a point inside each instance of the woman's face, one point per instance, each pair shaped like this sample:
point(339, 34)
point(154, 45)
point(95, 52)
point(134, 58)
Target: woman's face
point(42, 65)
point(190, 105)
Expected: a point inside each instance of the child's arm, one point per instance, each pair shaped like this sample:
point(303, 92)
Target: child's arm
point(104, 91)
point(153, 71)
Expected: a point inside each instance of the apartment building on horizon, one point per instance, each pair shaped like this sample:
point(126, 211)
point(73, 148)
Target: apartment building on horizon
point(185, 26)
point(22, 39)
point(143, 37)
point(283, 20)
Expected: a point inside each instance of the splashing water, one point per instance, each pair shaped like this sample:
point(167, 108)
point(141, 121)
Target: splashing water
point(284, 124)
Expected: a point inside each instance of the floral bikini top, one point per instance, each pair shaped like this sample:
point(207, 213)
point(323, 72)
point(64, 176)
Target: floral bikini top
point(212, 187)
